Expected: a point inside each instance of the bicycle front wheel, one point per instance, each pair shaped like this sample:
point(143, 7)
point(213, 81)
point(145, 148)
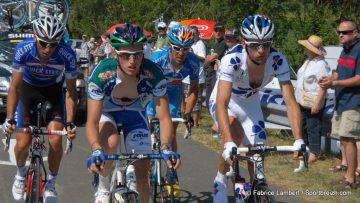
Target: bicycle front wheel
point(33, 182)
point(266, 196)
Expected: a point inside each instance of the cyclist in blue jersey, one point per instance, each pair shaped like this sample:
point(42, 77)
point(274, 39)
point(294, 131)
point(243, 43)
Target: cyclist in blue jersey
point(177, 62)
point(119, 89)
point(39, 64)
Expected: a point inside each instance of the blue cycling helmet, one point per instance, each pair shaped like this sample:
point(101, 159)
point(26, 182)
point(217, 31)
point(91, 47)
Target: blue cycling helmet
point(257, 27)
point(181, 35)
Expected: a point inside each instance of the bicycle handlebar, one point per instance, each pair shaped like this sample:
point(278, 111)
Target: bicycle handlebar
point(263, 149)
point(39, 131)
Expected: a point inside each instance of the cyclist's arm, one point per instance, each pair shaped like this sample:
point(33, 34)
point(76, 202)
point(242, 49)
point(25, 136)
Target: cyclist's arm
point(14, 93)
point(193, 95)
point(222, 101)
point(293, 110)
point(163, 114)
point(71, 98)
point(94, 109)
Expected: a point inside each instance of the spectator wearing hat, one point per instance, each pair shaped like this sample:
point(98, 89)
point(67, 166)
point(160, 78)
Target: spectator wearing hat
point(162, 40)
point(210, 67)
point(314, 68)
point(346, 82)
point(232, 41)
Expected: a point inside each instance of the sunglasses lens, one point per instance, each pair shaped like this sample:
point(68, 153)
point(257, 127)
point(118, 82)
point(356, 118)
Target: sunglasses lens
point(346, 32)
point(178, 49)
point(46, 44)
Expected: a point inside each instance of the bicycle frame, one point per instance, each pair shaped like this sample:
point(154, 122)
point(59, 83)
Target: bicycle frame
point(259, 174)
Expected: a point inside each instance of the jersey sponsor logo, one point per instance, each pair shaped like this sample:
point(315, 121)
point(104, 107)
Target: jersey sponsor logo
point(277, 62)
point(235, 63)
point(68, 56)
point(148, 74)
point(21, 51)
point(95, 92)
point(107, 75)
point(20, 35)
point(138, 135)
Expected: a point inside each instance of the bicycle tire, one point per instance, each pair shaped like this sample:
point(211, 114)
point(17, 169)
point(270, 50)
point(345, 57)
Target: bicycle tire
point(18, 17)
point(33, 192)
point(57, 8)
point(266, 198)
point(113, 185)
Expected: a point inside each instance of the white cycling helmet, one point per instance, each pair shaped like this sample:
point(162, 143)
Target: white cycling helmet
point(161, 25)
point(49, 27)
point(257, 27)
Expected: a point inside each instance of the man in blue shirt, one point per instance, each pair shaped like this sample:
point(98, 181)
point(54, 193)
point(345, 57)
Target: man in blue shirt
point(346, 81)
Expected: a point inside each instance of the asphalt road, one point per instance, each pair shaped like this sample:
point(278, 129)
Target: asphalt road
point(196, 174)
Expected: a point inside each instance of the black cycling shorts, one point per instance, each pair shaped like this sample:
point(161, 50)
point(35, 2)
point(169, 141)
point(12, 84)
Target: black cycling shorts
point(31, 96)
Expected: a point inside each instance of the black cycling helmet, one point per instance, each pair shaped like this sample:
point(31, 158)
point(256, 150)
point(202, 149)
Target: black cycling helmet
point(127, 34)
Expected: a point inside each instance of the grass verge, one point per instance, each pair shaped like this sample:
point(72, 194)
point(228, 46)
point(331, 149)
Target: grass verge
point(312, 186)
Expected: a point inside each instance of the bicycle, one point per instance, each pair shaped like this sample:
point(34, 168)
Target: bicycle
point(119, 190)
point(36, 175)
point(259, 189)
point(157, 181)
point(13, 14)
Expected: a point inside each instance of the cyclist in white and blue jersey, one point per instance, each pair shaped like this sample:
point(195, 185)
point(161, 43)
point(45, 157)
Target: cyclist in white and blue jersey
point(177, 63)
point(39, 65)
point(235, 101)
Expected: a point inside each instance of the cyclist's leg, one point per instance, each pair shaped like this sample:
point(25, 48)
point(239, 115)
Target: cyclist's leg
point(175, 111)
point(137, 140)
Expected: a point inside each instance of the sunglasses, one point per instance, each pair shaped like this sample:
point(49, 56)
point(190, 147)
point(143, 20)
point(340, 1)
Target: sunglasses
point(178, 48)
point(258, 45)
point(45, 44)
point(218, 29)
point(345, 32)
point(229, 37)
point(128, 54)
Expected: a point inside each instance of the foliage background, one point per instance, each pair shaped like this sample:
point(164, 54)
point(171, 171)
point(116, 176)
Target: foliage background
point(294, 19)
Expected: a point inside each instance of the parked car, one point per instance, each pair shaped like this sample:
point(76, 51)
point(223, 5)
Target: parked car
point(7, 45)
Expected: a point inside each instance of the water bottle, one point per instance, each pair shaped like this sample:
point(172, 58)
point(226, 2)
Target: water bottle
point(242, 189)
point(131, 178)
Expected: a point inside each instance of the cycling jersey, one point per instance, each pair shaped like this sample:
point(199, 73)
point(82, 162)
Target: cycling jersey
point(44, 73)
point(190, 67)
point(245, 100)
point(102, 83)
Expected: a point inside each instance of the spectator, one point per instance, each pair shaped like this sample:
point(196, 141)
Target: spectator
point(232, 41)
point(162, 39)
point(346, 81)
point(314, 68)
point(92, 46)
point(199, 49)
point(210, 66)
point(85, 53)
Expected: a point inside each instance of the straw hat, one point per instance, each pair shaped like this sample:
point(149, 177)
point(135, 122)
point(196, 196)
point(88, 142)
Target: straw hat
point(314, 44)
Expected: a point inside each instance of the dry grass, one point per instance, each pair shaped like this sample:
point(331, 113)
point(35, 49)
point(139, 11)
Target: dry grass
point(279, 169)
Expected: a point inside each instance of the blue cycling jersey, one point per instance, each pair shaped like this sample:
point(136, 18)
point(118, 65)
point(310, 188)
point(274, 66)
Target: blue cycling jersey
point(174, 78)
point(44, 73)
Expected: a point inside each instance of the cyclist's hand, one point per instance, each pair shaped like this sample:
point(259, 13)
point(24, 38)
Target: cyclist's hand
point(227, 151)
point(95, 163)
point(297, 147)
point(166, 154)
point(71, 130)
point(188, 120)
point(9, 126)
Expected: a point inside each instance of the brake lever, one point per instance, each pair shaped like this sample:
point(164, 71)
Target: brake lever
point(7, 142)
point(95, 181)
point(305, 154)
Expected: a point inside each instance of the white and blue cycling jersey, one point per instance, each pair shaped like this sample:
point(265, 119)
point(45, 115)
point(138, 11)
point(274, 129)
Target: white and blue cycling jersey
point(174, 78)
point(245, 100)
point(44, 73)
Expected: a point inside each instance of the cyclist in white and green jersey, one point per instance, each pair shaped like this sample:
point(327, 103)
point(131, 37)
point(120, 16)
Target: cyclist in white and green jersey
point(119, 89)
